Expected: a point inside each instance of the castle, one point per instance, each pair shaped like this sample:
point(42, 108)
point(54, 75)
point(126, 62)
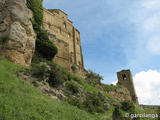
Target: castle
point(67, 39)
point(125, 79)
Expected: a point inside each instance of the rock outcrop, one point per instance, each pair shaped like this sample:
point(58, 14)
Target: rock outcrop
point(17, 37)
point(121, 94)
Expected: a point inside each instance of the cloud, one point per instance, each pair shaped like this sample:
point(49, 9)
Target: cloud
point(153, 45)
point(151, 4)
point(150, 26)
point(114, 82)
point(146, 23)
point(152, 23)
point(147, 85)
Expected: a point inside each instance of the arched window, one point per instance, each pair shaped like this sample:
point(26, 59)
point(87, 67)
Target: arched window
point(124, 77)
point(64, 25)
point(69, 35)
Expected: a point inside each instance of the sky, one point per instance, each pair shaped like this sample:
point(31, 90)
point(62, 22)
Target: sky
point(116, 35)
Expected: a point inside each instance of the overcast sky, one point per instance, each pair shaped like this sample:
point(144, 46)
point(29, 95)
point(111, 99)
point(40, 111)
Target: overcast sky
point(116, 35)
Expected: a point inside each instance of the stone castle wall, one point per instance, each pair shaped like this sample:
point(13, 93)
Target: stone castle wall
point(66, 37)
point(125, 79)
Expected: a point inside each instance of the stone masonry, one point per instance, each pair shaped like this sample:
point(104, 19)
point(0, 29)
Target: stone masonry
point(67, 38)
point(125, 79)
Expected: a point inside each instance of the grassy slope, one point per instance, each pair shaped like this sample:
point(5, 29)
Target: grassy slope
point(21, 101)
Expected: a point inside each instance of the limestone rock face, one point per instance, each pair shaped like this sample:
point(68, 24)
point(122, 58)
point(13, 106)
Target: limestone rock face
point(17, 37)
point(121, 94)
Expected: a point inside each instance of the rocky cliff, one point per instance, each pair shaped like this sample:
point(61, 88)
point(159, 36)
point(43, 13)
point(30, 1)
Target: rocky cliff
point(17, 37)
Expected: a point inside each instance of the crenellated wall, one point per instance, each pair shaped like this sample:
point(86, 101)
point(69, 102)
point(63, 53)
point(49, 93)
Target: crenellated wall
point(67, 39)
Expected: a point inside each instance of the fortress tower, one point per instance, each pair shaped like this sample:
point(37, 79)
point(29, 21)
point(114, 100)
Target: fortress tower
point(125, 79)
point(67, 39)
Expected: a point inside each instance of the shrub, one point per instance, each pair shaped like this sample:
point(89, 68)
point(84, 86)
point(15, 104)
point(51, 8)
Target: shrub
point(74, 78)
point(36, 83)
point(38, 58)
point(37, 9)
point(159, 113)
point(75, 102)
point(38, 70)
point(58, 75)
point(74, 67)
point(73, 87)
point(128, 106)
point(117, 115)
point(43, 45)
point(93, 78)
point(110, 87)
point(93, 103)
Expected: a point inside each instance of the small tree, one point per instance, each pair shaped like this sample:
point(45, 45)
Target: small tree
point(116, 115)
point(128, 106)
point(93, 77)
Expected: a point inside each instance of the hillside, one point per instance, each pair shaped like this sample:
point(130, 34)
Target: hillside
point(20, 100)
point(34, 86)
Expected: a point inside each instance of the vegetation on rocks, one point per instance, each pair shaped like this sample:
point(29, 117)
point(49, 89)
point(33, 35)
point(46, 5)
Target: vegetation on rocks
point(158, 113)
point(127, 106)
point(22, 88)
point(20, 100)
point(44, 47)
point(93, 78)
point(73, 87)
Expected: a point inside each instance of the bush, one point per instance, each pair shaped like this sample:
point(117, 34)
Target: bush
point(75, 102)
point(43, 45)
point(74, 78)
point(74, 67)
point(128, 106)
point(159, 113)
point(58, 75)
point(110, 87)
point(38, 58)
point(73, 87)
point(93, 78)
point(117, 115)
point(38, 70)
point(93, 103)
point(37, 8)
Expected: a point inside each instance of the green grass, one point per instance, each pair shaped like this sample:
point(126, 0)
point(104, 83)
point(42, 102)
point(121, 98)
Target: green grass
point(88, 88)
point(139, 110)
point(109, 88)
point(21, 101)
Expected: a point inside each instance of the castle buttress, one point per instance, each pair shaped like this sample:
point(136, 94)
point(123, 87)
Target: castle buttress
point(67, 39)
